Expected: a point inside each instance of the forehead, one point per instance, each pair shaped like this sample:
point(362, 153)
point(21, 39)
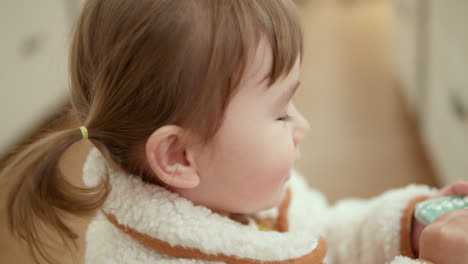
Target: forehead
point(259, 64)
point(256, 77)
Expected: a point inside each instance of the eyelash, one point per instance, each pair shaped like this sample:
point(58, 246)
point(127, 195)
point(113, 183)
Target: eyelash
point(285, 118)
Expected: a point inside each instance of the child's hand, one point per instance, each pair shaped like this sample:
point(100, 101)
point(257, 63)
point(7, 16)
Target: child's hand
point(458, 188)
point(445, 241)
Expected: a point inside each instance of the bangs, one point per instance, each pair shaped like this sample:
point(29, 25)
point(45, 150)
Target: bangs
point(237, 29)
point(278, 22)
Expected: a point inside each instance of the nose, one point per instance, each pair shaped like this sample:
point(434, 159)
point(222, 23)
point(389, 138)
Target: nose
point(301, 126)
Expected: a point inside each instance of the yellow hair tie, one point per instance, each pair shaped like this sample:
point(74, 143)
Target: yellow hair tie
point(84, 132)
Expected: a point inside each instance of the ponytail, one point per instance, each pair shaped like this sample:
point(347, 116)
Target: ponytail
point(40, 194)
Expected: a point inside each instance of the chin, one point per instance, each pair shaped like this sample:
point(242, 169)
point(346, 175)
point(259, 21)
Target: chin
point(270, 202)
point(275, 202)
point(259, 208)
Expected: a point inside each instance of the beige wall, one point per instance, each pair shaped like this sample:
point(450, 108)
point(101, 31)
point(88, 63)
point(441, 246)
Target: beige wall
point(431, 56)
point(33, 66)
point(362, 140)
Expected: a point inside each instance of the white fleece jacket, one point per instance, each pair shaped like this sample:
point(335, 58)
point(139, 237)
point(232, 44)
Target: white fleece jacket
point(141, 223)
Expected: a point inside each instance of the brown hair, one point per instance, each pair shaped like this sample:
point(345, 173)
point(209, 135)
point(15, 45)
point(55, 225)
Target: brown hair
point(136, 66)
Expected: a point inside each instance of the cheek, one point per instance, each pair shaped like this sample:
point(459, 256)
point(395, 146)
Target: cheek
point(275, 151)
point(274, 164)
point(264, 149)
point(267, 161)
point(248, 169)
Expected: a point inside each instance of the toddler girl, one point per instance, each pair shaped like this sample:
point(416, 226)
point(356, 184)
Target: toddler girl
point(188, 103)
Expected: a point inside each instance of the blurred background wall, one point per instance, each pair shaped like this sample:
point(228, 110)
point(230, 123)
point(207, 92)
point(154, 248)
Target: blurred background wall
point(384, 86)
point(363, 139)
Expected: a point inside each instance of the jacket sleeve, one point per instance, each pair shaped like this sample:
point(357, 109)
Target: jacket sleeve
point(357, 231)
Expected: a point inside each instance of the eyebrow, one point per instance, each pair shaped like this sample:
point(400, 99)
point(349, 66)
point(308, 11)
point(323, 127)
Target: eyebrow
point(288, 94)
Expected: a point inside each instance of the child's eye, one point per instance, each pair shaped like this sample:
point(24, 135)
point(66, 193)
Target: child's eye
point(285, 118)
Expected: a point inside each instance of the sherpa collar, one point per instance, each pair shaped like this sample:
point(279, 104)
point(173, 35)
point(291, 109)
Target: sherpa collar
point(172, 225)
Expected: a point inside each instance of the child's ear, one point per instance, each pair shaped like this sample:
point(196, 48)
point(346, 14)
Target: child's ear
point(168, 158)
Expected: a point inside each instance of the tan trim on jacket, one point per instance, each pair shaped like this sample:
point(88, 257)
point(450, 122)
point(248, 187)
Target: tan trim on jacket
point(280, 224)
point(314, 257)
point(406, 227)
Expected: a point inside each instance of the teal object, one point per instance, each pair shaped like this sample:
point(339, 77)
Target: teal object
point(428, 211)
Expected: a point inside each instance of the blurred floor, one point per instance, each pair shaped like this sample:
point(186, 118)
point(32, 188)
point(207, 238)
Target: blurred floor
point(362, 139)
